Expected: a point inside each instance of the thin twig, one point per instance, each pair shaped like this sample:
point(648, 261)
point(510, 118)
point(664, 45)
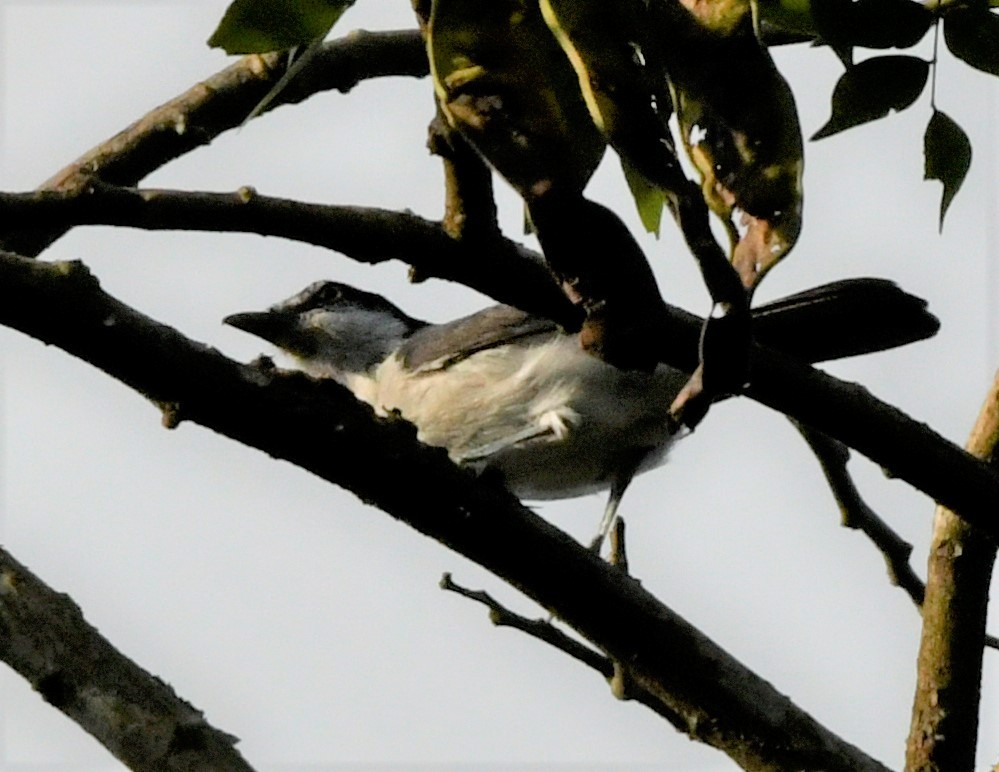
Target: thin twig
point(546, 632)
point(856, 514)
point(833, 457)
point(541, 629)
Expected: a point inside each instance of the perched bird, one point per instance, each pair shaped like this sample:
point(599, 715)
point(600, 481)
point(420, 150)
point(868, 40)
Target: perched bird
point(506, 390)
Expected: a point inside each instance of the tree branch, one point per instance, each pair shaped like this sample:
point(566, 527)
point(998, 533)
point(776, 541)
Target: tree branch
point(219, 103)
point(496, 266)
point(906, 449)
point(833, 457)
point(469, 204)
point(722, 702)
point(135, 715)
point(909, 450)
point(856, 514)
point(546, 632)
point(944, 732)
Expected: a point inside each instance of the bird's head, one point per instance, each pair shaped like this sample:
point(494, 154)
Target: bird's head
point(331, 328)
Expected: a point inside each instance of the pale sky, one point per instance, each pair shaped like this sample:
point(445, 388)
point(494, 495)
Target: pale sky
point(311, 626)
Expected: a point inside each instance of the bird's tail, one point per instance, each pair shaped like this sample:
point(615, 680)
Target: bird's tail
point(842, 319)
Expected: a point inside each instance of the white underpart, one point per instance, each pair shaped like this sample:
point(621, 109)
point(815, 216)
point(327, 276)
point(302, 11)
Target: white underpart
point(555, 420)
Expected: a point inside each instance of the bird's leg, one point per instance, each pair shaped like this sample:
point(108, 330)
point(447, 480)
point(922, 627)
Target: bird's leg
point(622, 480)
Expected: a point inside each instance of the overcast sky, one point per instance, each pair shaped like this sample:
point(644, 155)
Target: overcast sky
point(311, 626)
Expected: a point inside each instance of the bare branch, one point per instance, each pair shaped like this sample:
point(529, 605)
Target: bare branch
point(496, 266)
point(722, 702)
point(132, 713)
point(944, 730)
point(908, 449)
point(546, 632)
point(469, 206)
point(540, 629)
point(219, 103)
point(833, 457)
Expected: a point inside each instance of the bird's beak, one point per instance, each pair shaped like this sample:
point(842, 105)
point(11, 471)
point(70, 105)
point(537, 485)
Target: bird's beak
point(273, 326)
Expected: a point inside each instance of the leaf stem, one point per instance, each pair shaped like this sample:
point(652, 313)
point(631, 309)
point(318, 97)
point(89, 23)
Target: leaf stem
point(935, 60)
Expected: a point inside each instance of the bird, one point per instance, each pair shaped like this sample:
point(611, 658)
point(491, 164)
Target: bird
point(506, 390)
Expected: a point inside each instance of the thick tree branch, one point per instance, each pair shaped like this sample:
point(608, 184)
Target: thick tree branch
point(909, 450)
point(906, 449)
point(135, 715)
point(723, 703)
point(944, 732)
point(497, 267)
point(222, 102)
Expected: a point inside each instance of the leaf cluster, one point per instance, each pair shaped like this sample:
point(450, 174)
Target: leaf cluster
point(874, 88)
point(717, 122)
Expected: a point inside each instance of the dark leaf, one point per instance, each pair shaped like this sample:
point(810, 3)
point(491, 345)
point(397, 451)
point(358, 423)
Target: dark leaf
point(888, 23)
point(870, 23)
point(259, 26)
point(972, 35)
point(788, 15)
point(948, 156)
point(872, 89)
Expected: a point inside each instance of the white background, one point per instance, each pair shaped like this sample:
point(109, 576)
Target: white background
point(311, 626)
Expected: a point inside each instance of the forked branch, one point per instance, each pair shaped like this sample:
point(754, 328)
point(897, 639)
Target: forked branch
point(722, 702)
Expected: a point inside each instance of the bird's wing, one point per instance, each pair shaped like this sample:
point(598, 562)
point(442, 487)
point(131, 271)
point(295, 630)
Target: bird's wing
point(527, 435)
point(439, 346)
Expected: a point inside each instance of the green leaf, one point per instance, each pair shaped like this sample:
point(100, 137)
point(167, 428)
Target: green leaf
point(972, 35)
point(259, 26)
point(872, 89)
point(790, 15)
point(504, 82)
point(607, 45)
point(947, 150)
point(649, 199)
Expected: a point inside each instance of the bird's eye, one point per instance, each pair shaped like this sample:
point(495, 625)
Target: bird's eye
point(322, 294)
point(330, 294)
